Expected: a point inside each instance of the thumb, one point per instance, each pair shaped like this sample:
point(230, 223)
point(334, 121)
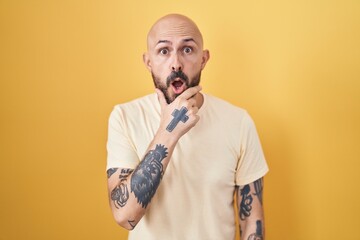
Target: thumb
point(161, 98)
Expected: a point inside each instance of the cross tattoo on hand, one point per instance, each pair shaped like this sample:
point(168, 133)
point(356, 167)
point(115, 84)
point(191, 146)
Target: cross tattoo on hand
point(178, 116)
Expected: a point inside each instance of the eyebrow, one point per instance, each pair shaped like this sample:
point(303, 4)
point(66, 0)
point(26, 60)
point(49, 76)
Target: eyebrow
point(167, 41)
point(189, 40)
point(163, 41)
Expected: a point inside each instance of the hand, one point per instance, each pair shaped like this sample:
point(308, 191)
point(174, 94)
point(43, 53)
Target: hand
point(178, 117)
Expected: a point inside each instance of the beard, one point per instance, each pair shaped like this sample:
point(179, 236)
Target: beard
point(174, 75)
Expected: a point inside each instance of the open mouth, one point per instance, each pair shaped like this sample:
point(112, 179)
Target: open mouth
point(178, 86)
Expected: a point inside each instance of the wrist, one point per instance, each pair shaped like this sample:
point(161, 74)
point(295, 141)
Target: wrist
point(166, 138)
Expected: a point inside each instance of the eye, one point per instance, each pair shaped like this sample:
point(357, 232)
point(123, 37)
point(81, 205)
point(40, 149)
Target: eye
point(164, 51)
point(187, 50)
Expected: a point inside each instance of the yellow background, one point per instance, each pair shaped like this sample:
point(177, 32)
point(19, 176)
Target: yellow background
point(294, 65)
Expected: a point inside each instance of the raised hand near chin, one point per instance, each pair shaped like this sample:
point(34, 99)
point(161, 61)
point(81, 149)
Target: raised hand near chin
point(178, 117)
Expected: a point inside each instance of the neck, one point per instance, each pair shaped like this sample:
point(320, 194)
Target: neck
point(199, 100)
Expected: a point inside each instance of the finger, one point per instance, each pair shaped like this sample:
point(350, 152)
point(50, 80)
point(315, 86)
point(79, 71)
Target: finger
point(197, 118)
point(190, 92)
point(191, 102)
point(193, 111)
point(161, 98)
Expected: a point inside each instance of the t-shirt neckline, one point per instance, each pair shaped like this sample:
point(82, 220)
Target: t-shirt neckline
point(202, 108)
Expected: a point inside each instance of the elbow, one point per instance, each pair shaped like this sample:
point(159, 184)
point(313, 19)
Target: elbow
point(124, 222)
point(126, 225)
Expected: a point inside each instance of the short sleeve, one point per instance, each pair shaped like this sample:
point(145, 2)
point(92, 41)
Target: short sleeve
point(120, 149)
point(252, 164)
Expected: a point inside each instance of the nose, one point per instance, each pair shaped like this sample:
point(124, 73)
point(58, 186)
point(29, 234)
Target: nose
point(176, 64)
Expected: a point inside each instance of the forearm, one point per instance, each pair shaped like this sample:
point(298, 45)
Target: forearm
point(252, 228)
point(251, 214)
point(131, 191)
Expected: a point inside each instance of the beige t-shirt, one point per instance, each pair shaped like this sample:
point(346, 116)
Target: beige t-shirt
point(195, 198)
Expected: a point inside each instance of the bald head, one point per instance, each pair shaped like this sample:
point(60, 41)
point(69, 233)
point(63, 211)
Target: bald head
point(175, 55)
point(173, 25)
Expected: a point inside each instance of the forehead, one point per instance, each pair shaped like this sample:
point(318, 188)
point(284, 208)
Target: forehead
point(174, 29)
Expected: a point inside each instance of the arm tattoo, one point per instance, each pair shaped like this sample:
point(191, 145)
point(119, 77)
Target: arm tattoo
point(147, 175)
point(246, 201)
point(111, 171)
point(120, 194)
point(258, 235)
point(132, 223)
point(178, 116)
point(258, 184)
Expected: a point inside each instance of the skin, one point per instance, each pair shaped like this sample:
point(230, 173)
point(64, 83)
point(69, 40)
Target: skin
point(249, 197)
point(174, 44)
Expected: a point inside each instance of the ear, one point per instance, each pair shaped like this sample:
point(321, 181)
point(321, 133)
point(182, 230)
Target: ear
point(146, 60)
point(205, 58)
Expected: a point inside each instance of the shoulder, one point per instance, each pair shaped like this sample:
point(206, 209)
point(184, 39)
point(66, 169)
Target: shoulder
point(143, 104)
point(145, 101)
point(223, 107)
point(141, 108)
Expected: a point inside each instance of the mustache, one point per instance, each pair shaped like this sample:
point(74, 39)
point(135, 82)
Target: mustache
point(179, 74)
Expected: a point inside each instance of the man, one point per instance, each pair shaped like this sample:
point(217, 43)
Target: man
point(176, 158)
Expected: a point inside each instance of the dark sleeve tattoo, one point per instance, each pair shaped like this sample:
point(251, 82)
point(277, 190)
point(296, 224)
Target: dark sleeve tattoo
point(258, 184)
point(111, 171)
point(179, 115)
point(246, 201)
point(120, 194)
point(258, 234)
point(246, 198)
point(147, 175)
